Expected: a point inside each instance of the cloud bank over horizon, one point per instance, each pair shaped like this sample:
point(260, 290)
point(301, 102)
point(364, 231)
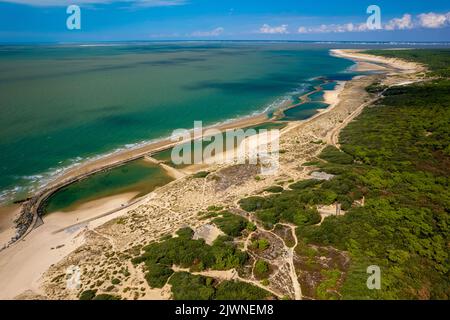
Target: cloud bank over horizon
point(429, 20)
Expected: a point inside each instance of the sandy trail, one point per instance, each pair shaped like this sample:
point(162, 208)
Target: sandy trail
point(171, 171)
point(290, 260)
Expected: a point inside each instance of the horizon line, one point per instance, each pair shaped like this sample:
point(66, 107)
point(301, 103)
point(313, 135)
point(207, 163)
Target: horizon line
point(447, 42)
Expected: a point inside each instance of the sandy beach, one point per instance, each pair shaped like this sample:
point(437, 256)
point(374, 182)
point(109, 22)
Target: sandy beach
point(367, 62)
point(22, 266)
point(30, 265)
point(7, 225)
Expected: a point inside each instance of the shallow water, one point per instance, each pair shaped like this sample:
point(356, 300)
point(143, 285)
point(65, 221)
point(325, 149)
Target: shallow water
point(137, 176)
point(303, 111)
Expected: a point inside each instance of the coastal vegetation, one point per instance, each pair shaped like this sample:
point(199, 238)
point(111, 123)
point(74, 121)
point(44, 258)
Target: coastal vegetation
point(92, 295)
point(262, 269)
point(261, 244)
point(437, 60)
point(186, 286)
point(231, 224)
point(401, 165)
point(391, 176)
point(195, 255)
point(184, 252)
point(274, 189)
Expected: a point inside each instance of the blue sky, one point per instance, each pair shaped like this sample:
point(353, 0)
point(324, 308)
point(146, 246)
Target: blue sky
point(112, 20)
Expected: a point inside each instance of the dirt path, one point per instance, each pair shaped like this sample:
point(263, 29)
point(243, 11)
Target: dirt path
point(109, 238)
point(227, 275)
point(289, 258)
point(332, 137)
point(294, 276)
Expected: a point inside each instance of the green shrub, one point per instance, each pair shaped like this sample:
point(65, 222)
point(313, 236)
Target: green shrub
point(265, 282)
point(88, 294)
point(261, 269)
point(303, 184)
point(157, 275)
point(201, 174)
point(106, 297)
point(186, 286)
point(269, 217)
point(250, 226)
point(261, 244)
point(252, 204)
point(185, 233)
point(231, 224)
point(274, 189)
point(235, 290)
point(333, 155)
point(215, 208)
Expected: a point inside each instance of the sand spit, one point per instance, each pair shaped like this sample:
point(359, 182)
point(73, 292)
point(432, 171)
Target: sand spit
point(371, 62)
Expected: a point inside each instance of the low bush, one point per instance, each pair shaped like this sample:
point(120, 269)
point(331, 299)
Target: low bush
point(261, 269)
point(231, 224)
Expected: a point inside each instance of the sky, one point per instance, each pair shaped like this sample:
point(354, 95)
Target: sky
point(154, 20)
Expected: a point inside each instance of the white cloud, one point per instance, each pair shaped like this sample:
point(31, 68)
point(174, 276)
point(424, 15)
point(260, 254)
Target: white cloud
point(329, 28)
point(402, 23)
point(63, 3)
point(267, 29)
point(433, 20)
point(213, 33)
point(406, 22)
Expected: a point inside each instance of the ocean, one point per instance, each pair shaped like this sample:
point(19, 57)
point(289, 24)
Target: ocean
point(63, 104)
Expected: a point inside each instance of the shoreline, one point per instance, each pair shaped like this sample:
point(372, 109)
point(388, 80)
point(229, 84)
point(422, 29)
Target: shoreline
point(366, 61)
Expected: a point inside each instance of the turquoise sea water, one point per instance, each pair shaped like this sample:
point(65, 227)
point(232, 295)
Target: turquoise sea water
point(63, 104)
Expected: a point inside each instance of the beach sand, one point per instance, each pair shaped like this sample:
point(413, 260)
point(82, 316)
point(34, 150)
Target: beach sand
point(7, 225)
point(331, 97)
point(369, 62)
point(22, 265)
